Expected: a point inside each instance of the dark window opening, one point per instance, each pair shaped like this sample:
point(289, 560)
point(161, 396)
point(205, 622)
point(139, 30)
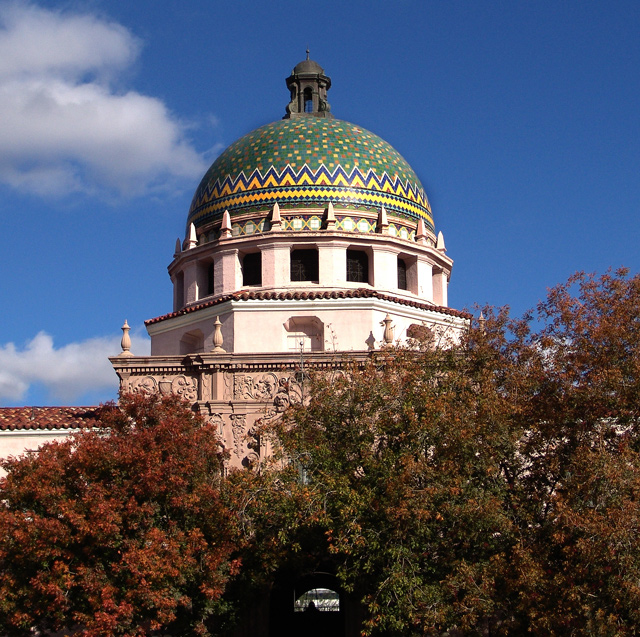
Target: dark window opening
point(252, 269)
point(210, 279)
point(308, 100)
point(402, 274)
point(357, 266)
point(179, 291)
point(304, 265)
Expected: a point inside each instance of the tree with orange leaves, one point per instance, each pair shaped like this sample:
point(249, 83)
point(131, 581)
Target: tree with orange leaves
point(122, 530)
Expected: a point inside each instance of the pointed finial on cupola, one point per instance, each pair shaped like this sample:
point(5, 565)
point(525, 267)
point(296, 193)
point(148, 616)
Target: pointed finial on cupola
point(125, 342)
point(276, 220)
point(383, 222)
point(440, 242)
point(421, 232)
point(178, 249)
point(331, 217)
point(192, 239)
point(225, 228)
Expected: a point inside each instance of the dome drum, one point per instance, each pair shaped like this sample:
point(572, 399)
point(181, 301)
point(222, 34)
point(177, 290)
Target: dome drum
point(305, 212)
point(306, 219)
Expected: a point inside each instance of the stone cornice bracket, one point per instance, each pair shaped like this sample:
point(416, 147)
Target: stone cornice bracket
point(191, 241)
point(178, 249)
point(225, 228)
point(440, 242)
point(331, 217)
point(217, 337)
point(125, 343)
point(421, 232)
point(276, 220)
point(383, 222)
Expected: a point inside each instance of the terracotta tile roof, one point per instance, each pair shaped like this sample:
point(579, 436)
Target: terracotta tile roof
point(359, 293)
point(47, 418)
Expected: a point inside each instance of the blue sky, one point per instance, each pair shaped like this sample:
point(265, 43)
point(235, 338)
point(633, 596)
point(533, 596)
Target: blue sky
point(521, 118)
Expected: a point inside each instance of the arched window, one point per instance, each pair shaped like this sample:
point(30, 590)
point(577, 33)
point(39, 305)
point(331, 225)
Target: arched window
point(357, 266)
point(252, 269)
point(402, 274)
point(192, 342)
point(304, 332)
point(304, 265)
point(308, 100)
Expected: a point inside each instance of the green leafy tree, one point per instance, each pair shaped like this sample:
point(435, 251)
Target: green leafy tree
point(491, 487)
point(123, 530)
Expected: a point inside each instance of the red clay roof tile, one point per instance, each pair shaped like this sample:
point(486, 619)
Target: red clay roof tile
point(249, 295)
point(47, 418)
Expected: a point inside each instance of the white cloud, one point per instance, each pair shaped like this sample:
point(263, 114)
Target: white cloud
point(67, 372)
point(64, 127)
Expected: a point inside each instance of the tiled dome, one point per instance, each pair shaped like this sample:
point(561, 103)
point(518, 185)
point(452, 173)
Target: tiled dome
point(309, 161)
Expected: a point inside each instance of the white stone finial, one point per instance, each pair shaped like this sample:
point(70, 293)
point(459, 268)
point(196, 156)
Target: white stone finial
point(421, 232)
point(217, 337)
point(482, 322)
point(178, 249)
point(192, 240)
point(125, 343)
point(440, 242)
point(331, 217)
point(276, 220)
point(383, 222)
point(387, 337)
point(225, 228)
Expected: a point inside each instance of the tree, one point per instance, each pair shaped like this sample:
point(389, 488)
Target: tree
point(121, 530)
point(491, 487)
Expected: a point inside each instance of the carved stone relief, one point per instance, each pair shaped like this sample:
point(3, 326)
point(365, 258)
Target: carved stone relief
point(238, 427)
point(181, 385)
point(146, 385)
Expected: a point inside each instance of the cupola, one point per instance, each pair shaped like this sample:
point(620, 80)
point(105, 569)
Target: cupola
point(308, 86)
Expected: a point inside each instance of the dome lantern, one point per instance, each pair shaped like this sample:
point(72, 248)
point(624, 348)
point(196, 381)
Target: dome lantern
point(308, 86)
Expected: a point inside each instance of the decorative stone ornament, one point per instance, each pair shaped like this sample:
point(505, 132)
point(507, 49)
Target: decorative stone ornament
point(482, 322)
point(192, 240)
point(383, 222)
point(331, 217)
point(276, 220)
point(387, 337)
point(440, 242)
point(225, 228)
point(217, 337)
point(178, 249)
point(421, 232)
point(125, 343)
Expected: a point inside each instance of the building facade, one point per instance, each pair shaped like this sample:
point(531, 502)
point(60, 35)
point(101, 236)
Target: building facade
point(307, 239)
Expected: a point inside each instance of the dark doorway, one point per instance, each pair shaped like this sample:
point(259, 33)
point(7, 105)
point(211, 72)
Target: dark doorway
point(312, 606)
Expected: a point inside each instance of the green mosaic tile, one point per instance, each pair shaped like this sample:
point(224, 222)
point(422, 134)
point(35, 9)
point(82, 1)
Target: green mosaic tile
point(309, 161)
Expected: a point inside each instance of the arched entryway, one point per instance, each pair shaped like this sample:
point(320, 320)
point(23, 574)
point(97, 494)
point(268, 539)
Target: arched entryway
point(312, 605)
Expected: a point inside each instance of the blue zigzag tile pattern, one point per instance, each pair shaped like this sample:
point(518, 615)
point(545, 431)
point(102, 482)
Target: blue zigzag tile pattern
point(309, 162)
